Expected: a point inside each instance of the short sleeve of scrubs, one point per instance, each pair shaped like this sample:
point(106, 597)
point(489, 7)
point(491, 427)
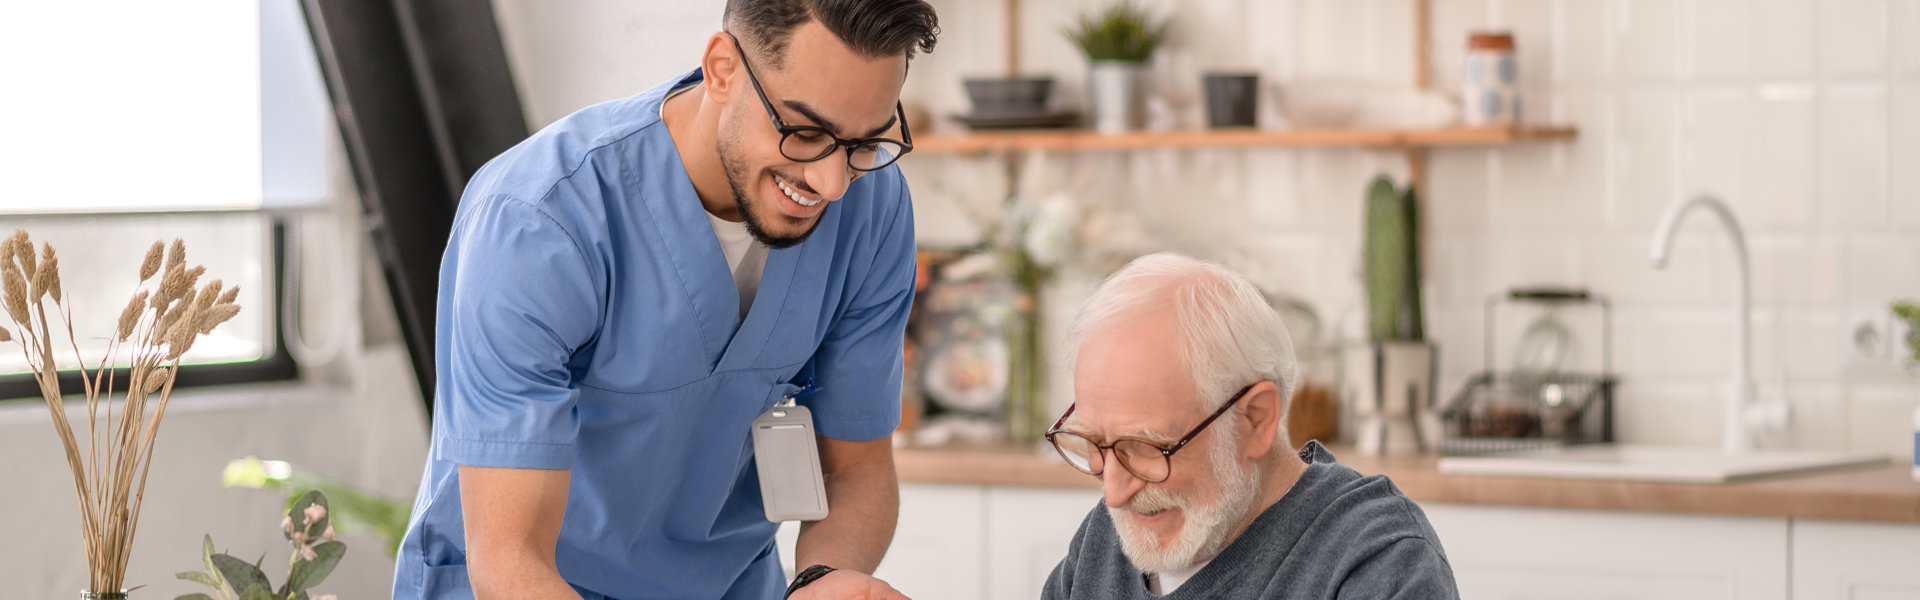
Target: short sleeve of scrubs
point(524, 298)
point(859, 364)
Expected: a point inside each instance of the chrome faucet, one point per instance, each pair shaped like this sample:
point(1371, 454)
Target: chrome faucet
point(1743, 418)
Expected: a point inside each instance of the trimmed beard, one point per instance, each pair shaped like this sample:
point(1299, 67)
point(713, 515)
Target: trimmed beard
point(735, 166)
point(1203, 528)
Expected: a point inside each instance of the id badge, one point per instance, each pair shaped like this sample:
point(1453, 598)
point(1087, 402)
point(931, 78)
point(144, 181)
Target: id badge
point(791, 486)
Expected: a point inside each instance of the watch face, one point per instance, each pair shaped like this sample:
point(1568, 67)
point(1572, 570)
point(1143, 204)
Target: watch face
point(968, 373)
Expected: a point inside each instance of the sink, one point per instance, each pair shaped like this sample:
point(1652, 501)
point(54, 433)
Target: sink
point(1676, 464)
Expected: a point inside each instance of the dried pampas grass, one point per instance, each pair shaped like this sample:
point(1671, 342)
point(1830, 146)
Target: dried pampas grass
point(161, 322)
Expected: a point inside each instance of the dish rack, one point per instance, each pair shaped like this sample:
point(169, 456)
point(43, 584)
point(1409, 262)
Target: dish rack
point(1516, 410)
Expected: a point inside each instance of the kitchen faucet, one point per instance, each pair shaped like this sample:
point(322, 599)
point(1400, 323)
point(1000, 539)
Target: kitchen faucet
point(1742, 416)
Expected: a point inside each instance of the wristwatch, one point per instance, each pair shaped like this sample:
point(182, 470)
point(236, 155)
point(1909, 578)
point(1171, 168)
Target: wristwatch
point(806, 576)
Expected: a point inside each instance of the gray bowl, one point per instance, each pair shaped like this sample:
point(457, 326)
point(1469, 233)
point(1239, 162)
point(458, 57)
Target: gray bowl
point(1008, 95)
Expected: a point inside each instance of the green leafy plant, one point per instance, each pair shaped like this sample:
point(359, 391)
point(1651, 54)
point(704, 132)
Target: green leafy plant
point(1123, 32)
point(353, 509)
point(1910, 312)
point(315, 555)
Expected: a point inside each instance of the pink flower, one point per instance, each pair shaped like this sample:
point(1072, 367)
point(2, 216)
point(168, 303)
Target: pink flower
point(315, 512)
point(328, 535)
point(306, 552)
point(300, 538)
point(286, 524)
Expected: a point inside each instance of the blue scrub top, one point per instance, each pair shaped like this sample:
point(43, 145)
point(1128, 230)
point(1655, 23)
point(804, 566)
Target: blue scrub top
point(587, 321)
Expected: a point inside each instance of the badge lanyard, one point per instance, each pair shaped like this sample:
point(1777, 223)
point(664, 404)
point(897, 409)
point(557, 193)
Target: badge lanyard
point(788, 459)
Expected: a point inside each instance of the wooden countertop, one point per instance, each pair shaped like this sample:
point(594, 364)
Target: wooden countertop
point(1879, 493)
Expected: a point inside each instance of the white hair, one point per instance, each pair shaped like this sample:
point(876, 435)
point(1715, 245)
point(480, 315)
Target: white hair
point(1230, 336)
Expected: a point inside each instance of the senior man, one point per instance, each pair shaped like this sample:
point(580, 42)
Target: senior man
point(1172, 353)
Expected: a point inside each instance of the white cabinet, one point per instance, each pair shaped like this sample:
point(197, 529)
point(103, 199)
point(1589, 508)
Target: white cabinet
point(1834, 560)
point(981, 542)
point(939, 543)
point(937, 546)
point(975, 542)
point(1028, 531)
point(1505, 552)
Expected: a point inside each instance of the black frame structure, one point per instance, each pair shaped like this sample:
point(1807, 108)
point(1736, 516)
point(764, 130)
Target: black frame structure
point(276, 365)
point(423, 96)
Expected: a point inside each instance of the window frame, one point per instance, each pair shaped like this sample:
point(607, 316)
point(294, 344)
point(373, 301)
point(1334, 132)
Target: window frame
point(277, 365)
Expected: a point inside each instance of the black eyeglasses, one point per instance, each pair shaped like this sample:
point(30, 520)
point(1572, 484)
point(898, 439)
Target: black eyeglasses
point(808, 144)
point(1150, 462)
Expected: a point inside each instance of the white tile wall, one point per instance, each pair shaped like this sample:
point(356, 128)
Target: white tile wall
point(1783, 38)
point(1801, 344)
point(1904, 146)
point(1804, 115)
point(1722, 34)
point(1696, 276)
point(1881, 418)
point(1716, 138)
point(1780, 161)
point(1645, 139)
point(1584, 36)
point(1531, 22)
point(1820, 417)
point(1853, 165)
point(1273, 199)
point(1903, 18)
point(1853, 37)
point(1452, 20)
point(1881, 268)
point(1646, 38)
point(1330, 41)
point(1678, 345)
point(1799, 272)
point(1580, 166)
point(1650, 413)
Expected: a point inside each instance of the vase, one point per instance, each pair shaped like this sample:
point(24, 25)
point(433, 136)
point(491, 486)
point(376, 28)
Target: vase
point(1027, 418)
point(1114, 96)
point(86, 595)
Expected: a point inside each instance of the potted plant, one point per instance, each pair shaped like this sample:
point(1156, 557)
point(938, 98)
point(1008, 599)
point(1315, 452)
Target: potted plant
point(315, 553)
point(1393, 373)
point(109, 452)
point(1118, 42)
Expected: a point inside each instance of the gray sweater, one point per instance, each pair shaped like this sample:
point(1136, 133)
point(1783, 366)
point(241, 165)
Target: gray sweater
point(1334, 535)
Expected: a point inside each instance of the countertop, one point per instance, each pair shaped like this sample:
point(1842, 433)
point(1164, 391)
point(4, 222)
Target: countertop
point(1884, 492)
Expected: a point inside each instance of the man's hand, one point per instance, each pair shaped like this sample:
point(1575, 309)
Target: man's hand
point(847, 585)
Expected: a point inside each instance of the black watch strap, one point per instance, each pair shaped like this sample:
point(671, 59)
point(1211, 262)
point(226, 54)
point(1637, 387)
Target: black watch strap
point(806, 576)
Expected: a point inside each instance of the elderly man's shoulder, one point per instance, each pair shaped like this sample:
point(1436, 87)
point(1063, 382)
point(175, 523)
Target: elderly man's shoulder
point(1369, 506)
point(1367, 529)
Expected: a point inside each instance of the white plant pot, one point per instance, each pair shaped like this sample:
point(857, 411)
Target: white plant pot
point(1115, 96)
point(1390, 389)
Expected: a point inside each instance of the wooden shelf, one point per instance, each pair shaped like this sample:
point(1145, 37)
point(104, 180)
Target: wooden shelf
point(1081, 139)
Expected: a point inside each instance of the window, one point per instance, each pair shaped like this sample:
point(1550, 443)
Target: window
point(130, 121)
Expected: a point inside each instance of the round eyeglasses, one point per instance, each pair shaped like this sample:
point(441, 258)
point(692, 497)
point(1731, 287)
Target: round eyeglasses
point(1146, 460)
point(801, 143)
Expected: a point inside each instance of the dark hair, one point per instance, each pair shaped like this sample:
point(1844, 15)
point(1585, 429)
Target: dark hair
point(873, 28)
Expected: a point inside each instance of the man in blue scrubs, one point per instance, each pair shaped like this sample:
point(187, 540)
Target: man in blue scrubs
point(628, 289)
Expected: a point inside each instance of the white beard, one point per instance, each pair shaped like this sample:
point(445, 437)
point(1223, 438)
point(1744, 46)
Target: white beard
point(1203, 530)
